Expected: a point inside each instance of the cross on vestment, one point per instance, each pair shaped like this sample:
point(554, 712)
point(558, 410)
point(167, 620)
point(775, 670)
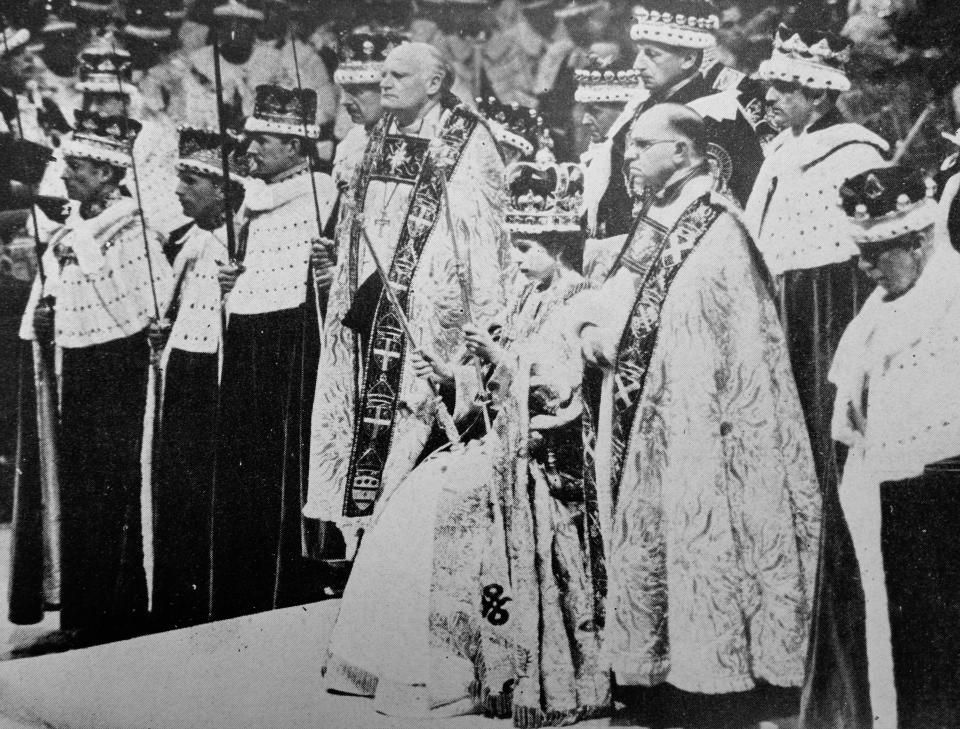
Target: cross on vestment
point(387, 353)
point(627, 387)
point(673, 255)
point(376, 417)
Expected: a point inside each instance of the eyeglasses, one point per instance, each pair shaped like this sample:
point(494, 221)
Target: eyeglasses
point(872, 254)
point(644, 145)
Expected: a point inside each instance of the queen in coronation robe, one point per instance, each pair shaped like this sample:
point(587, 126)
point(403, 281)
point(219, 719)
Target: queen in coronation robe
point(708, 501)
point(477, 587)
point(372, 417)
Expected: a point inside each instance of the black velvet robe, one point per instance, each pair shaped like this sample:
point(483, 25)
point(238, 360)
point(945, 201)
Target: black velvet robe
point(182, 489)
point(103, 583)
point(259, 535)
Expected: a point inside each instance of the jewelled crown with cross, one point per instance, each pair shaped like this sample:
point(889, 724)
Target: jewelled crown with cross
point(362, 56)
point(811, 58)
point(516, 126)
point(600, 81)
point(278, 110)
point(199, 148)
point(888, 202)
point(105, 67)
point(544, 198)
point(682, 24)
point(102, 138)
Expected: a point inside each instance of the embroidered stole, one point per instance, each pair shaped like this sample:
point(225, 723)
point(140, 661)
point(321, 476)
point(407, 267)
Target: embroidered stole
point(670, 249)
point(399, 159)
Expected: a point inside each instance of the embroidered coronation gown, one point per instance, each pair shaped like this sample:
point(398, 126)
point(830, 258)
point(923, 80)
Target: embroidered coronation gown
point(448, 609)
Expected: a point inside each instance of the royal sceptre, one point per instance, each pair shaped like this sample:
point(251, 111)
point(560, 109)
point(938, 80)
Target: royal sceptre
point(464, 274)
point(442, 414)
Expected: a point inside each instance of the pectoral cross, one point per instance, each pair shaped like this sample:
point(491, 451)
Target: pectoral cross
point(382, 222)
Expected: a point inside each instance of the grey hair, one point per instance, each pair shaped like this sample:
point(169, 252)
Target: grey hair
point(433, 62)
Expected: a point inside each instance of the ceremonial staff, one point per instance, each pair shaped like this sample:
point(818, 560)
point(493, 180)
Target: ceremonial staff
point(224, 153)
point(320, 304)
point(156, 350)
point(303, 120)
point(442, 414)
point(914, 131)
point(45, 384)
point(136, 185)
point(232, 254)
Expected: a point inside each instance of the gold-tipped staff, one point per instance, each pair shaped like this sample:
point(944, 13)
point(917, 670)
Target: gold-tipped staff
point(464, 274)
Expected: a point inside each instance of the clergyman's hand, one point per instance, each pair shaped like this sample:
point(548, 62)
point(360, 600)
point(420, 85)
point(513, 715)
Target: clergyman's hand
point(592, 348)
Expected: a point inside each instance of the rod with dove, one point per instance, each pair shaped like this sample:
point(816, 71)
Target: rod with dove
point(443, 160)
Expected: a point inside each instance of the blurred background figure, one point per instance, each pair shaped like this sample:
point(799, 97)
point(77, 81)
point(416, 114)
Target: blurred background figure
point(608, 95)
point(578, 25)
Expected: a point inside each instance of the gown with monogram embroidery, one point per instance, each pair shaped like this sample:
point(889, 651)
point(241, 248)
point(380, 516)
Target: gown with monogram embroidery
point(448, 609)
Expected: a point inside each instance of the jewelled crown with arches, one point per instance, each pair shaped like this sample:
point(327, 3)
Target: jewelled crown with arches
point(682, 24)
point(362, 56)
point(544, 198)
point(888, 202)
point(516, 126)
point(811, 58)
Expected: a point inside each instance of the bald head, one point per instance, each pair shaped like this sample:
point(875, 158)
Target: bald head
point(414, 77)
point(665, 142)
point(680, 121)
